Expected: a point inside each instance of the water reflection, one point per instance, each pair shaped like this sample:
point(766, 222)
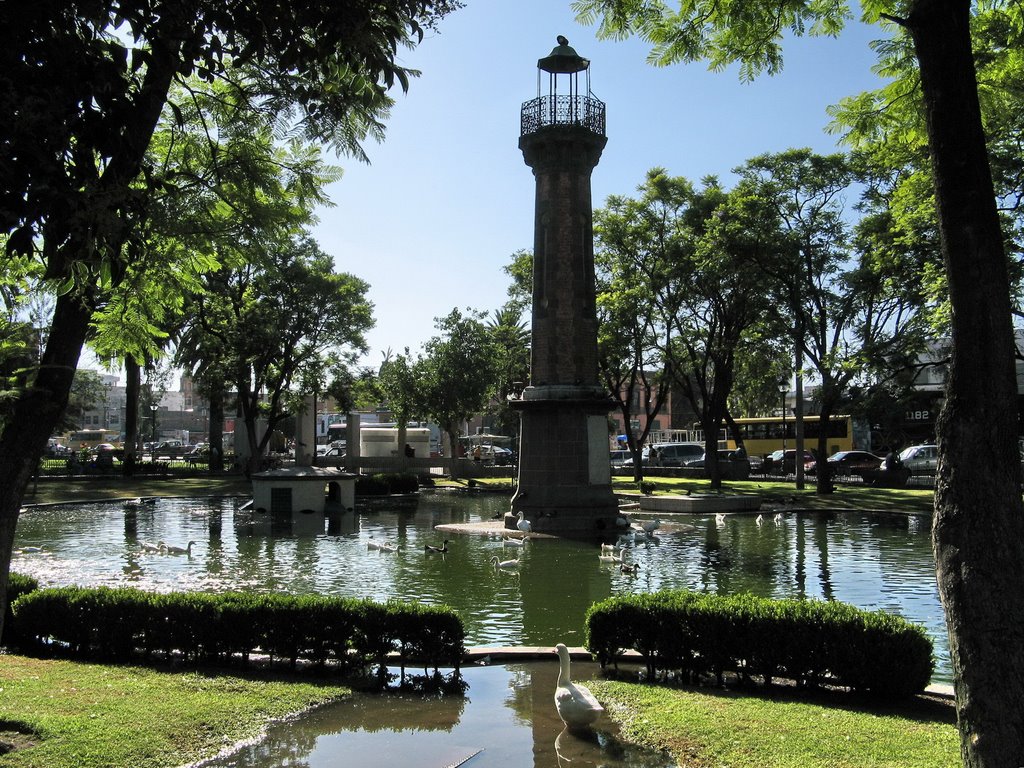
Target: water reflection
point(508, 718)
point(869, 561)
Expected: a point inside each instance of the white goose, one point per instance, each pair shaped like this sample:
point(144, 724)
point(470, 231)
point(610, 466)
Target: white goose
point(511, 541)
point(650, 526)
point(523, 524)
point(506, 564)
point(604, 557)
point(576, 705)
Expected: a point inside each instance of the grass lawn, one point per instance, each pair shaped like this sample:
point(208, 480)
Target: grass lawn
point(68, 714)
point(59, 489)
point(706, 727)
point(862, 498)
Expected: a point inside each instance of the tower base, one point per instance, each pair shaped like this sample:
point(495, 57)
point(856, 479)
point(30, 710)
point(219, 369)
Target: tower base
point(564, 482)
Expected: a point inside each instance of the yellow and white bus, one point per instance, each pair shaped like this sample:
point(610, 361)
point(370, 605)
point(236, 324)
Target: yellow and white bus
point(762, 436)
point(90, 438)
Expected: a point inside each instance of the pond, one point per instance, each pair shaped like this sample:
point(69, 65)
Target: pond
point(507, 718)
point(871, 561)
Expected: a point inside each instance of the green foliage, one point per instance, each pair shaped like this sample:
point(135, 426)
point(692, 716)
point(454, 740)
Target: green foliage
point(125, 624)
point(384, 483)
point(811, 642)
point(457, 372)
point(723, 33)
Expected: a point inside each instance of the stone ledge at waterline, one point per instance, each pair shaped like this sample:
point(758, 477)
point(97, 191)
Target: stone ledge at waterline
point(698, 504)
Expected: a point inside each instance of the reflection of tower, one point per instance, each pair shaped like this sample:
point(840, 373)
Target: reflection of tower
point(564, 469)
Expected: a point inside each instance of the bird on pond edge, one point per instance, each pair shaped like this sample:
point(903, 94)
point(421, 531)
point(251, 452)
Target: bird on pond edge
point(576, 705)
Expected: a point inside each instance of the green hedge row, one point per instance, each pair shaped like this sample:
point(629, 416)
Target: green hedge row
point(811, 642)
point(121, 623)
point(385, 483)
point(18, 584)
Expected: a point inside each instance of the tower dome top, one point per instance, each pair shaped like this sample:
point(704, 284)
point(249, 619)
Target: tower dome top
point(563, 59)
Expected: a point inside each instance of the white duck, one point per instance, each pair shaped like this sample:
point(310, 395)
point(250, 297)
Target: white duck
point(506, 564)
point(172, 550)
point(610, 547)
point(148, 546)
point(377, 543)
point(604, 557)
point(759, 520)
point(576, 705)
point(650, 526)
point(523, 524)
point(511, 541)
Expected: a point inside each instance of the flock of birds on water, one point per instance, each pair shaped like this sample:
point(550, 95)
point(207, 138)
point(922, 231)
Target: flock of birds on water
point(641, 533)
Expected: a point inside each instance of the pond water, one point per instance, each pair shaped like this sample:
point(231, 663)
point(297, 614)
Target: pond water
point(870, 561)
point(507, 718)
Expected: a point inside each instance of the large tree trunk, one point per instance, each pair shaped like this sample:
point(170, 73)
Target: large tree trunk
point(133, 385)
point(978, 532)
point(33, 418)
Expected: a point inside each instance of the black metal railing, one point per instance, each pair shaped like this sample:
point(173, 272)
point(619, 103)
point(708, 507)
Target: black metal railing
point(544, 111)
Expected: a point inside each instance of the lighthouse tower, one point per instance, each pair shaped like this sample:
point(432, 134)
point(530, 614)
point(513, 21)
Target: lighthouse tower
point(564, 484)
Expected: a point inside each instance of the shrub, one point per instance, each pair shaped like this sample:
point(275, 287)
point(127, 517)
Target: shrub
point(18, 584)
point(123, 624)
point(809, 641)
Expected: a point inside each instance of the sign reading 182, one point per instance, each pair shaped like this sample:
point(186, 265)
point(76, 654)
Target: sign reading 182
point(919, 415)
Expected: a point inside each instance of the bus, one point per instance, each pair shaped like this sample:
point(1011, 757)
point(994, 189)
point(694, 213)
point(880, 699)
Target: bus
point(762, 436)
point(90, 438)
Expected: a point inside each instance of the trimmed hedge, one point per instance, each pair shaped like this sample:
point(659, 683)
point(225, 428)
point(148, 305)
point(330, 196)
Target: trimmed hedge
point(18, 584)
point(811, 642)
point(386, 483)
point(121, 624)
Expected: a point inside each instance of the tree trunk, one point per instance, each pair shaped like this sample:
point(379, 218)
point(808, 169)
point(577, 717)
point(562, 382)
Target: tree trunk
point(34, 417)
point(978, 529)
point(216, 429)
point(133, 385)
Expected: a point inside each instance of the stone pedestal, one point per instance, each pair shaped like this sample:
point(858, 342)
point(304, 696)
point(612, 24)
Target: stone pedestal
point(564, 470)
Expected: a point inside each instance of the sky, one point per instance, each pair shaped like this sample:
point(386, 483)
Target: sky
point(446, 199)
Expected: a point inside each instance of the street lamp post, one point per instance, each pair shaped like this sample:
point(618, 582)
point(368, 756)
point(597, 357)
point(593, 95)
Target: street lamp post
point(154, 408)
point(784, 390)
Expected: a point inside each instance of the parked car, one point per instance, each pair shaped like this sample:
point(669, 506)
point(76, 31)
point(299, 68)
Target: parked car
point(493, 454)
point(724, 454)
point(847, 463)
point(670, 454)
point(920, 459)
point(776, 464)
point(619, 458)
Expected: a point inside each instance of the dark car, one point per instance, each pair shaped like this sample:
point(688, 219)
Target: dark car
point(847, 463)
point(775, 464)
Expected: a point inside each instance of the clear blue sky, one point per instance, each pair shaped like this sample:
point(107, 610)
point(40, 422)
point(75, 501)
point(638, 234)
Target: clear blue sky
point(447, 198)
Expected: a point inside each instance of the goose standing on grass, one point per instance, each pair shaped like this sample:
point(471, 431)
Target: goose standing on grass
point(431, 548)
point(506, 564)
point(523, 524)
point(171, 550)
point(575, 703)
